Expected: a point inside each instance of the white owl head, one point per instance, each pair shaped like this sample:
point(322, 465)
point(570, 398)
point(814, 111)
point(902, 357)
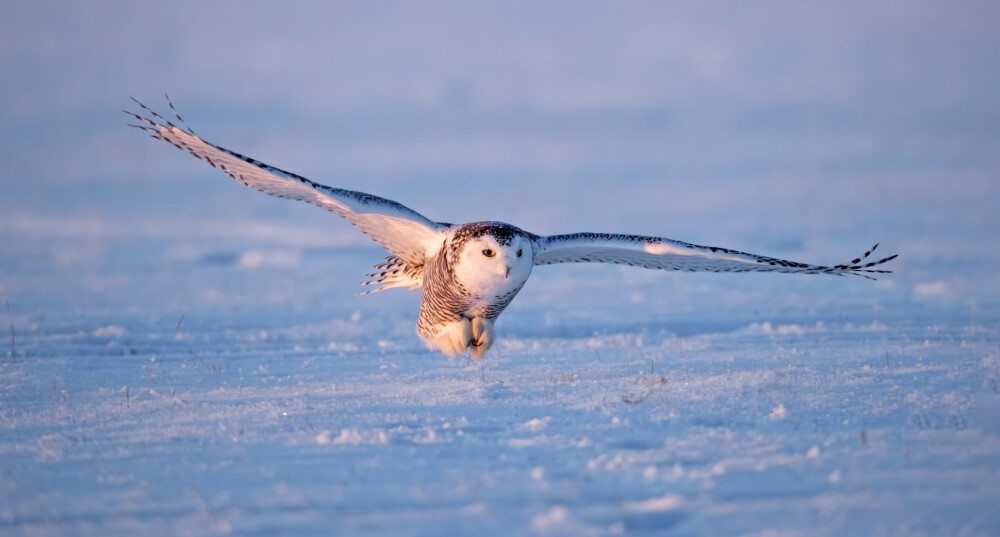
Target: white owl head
point(492, 258)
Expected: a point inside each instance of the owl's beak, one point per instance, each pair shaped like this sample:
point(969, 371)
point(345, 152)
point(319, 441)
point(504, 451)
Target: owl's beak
point(506, 271)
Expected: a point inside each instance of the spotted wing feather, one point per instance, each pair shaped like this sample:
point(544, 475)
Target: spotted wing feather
point(394, 273)
point(667, 254)
point(402, 231)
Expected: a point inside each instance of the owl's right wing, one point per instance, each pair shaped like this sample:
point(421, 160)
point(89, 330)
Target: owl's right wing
point(668, 254)
point(397, 228)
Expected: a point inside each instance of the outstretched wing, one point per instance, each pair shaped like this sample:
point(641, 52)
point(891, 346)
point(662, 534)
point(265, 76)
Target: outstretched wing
point(397, 228)
point(667, 254)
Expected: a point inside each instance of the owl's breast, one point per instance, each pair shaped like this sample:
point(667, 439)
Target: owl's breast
point(488, 297)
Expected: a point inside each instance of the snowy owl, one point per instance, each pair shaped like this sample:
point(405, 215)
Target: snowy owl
point(468, 273)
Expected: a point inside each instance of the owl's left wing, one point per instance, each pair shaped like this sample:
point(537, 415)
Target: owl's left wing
point(397, 228)
point(668, 254)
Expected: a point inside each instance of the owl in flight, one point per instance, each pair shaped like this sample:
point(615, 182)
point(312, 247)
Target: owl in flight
point(468, 273)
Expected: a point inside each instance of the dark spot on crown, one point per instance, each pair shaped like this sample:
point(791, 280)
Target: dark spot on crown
point(502, 233)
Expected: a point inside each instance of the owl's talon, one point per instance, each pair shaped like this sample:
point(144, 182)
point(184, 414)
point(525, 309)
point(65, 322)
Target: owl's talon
point(476, 336)
point(483, 337)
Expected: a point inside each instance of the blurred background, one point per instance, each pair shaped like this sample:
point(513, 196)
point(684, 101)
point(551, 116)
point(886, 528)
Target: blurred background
point(187, 356)
point(802, 130)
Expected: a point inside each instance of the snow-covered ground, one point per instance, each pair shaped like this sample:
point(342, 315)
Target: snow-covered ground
point(183, 356)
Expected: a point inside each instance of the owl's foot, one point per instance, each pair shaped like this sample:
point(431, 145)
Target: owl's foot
point(483, 337)
point(475, 336)
point(453, 338)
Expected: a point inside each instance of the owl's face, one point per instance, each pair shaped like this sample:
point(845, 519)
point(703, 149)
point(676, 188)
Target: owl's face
point(488, 266)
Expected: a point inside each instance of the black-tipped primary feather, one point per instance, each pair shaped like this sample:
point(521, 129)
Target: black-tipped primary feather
point(668, 254)
point(399, 229)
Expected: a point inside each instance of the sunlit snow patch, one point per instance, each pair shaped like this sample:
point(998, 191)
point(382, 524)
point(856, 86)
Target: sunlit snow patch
point(930, 288)
point(110, 331)
point(663, 503)
point(353, 437)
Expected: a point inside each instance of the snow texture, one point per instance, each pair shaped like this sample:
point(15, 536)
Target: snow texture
point(184, 356)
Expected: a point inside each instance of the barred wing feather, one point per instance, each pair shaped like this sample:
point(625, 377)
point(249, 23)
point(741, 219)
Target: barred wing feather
point(668, 254)
point(397, 228)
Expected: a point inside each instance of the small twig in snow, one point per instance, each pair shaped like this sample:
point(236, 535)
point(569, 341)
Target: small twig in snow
point(13, 345)
point(173, 337)
point(208, 366)
point(176, 328)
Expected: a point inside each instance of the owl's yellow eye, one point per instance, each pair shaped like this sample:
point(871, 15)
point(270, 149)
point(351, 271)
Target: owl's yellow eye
point(519, 253)
point(489, 252)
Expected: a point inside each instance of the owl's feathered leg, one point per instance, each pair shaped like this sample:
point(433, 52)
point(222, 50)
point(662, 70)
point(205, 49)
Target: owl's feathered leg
point(483, 337)
point(453, 338)
point(476, 336)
